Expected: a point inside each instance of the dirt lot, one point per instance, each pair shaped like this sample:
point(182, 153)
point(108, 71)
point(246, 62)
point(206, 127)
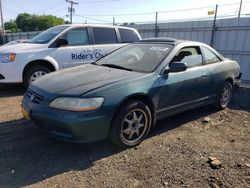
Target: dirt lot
point(174, 155)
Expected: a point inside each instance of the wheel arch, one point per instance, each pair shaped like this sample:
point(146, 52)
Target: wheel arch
point(140, 97)
point(230, 80)
point(40, 62)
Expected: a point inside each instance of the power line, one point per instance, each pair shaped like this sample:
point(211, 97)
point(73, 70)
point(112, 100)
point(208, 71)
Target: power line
point(71, 9)
point(146, 13)
point(59, 6)
point(10, 10)
point(167, 11)
point(99, 20)
point(59, 3)
point(104, 1)
point(58, 9)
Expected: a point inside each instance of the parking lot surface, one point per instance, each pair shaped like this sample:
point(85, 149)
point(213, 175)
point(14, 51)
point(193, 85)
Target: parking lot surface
point(175, 154)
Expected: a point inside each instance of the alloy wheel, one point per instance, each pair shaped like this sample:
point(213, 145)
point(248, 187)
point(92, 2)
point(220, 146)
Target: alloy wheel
point(134, 126)
point(225, 95)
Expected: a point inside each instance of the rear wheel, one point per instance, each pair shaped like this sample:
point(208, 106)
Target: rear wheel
point(131, 124)
point(224, 96)
point(33, 73)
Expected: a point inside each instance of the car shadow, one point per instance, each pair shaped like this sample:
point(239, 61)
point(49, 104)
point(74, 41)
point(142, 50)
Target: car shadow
point(178, 120)
point(241, 100)
point(29, 156)
point(11, 90)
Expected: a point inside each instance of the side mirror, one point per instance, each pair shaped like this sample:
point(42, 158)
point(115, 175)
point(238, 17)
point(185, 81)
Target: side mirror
point(62, 42)
point(176, 67)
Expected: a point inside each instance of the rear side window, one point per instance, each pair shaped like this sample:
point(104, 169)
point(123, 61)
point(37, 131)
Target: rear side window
point(189, 55)
point(128, 35)
point(104, 35)
point(209, 56)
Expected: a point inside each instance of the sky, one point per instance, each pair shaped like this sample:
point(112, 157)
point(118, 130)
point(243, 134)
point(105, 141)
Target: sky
point(103, 11)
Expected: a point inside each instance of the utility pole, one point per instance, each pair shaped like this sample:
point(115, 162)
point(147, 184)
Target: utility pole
point(71, 9)
point(214, 26)
point(156, 24)
point(3, 29)
point(240, 9)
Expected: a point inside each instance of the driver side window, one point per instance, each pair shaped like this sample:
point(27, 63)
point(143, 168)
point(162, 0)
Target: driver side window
point(189, 55)
point(77, 37)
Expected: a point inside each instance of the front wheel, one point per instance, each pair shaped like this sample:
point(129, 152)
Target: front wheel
point(33, 73)
point(131, 124)
point(224, 96)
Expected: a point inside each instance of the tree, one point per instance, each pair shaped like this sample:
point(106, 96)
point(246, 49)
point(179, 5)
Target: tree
point(23, 21)
point(47, 21)
point(11, 25)
point(27, 22)
point(125, 24)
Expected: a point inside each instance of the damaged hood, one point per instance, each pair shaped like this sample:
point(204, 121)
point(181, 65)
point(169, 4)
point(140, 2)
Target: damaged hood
point(79, 80)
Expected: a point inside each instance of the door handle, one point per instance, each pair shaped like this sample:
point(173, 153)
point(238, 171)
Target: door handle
point(204, 75)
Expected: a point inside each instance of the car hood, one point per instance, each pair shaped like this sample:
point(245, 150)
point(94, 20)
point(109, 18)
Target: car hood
point(20, 47)
point(79, 80)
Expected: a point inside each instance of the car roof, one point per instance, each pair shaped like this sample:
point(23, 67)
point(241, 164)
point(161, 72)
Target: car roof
point(97, 25)
point(173, 41)
point(177, 42)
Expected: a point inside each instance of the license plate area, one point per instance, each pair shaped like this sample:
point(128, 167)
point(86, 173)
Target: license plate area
point(25, 113)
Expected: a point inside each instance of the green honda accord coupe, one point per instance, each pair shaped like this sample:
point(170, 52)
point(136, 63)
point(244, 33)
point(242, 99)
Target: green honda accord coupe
point(122, 95)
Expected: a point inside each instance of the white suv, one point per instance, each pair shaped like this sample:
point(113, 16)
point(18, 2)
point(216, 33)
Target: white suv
point(60, 47)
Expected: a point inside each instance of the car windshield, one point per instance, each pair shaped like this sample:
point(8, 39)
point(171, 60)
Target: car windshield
point(47, 35)
point(137, 57)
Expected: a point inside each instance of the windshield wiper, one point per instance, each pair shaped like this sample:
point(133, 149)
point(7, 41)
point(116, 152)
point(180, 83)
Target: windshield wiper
point(116, 67)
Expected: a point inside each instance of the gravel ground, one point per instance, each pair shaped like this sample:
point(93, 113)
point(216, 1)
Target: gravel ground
point(175, 154)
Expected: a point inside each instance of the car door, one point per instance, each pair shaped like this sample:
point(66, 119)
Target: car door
point(183, 90)
point(78, 49)
point(105, 40)
point(213, 63)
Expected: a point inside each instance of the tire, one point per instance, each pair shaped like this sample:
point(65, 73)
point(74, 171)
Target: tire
point(224, 96)
point(30, 74)
point(131, 124)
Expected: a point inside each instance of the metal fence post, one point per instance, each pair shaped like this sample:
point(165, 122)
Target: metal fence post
point(156, 24)
point(214, 26)
point(240, 9)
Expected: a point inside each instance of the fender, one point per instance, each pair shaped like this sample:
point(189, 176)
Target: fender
point(52, 61)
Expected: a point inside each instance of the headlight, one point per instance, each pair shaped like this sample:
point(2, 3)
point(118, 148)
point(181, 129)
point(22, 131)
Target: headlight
point(77, 104)
point(7, 57)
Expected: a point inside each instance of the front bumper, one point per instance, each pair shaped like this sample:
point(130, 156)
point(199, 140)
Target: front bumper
point(79, 127)
point(10, 73)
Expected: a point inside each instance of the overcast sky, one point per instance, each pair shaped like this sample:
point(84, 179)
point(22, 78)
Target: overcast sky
point(102, 11)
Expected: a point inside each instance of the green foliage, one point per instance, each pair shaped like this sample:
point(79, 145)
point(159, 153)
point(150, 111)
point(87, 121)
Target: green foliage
point(45, 22)
point(125, 24)
point(32, 22)
point(10, 25)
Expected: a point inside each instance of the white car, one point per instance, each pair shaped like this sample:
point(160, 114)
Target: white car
point(60, 47)
point(17, 41)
